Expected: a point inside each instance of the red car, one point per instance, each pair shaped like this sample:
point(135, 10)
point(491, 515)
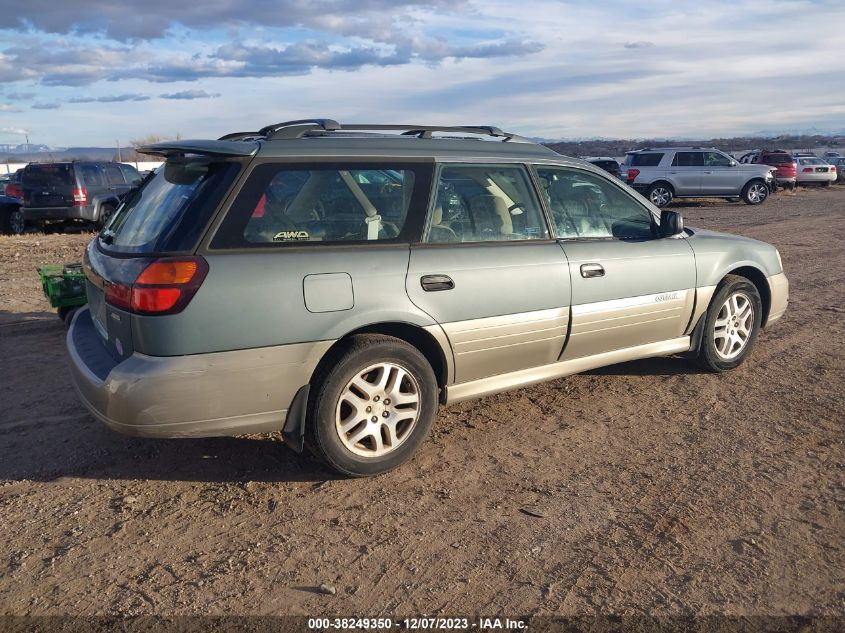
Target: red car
point(787, 170)
point(13, 187)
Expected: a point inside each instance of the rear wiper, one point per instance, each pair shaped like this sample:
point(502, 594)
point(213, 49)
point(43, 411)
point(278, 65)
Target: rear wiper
point(107, 236)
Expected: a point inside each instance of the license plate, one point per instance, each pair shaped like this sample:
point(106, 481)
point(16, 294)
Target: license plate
point(97, 305)
point(821, 170)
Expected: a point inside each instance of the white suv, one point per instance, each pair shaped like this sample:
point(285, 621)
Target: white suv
point(665, 173)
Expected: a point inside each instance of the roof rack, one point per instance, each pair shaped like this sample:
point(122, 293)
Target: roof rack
point(319, 127)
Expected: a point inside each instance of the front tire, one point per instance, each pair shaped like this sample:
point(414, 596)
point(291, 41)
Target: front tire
point(372, 407)
point(12, 220)
point(755, 192)
point(660, 194)
point(731, 324)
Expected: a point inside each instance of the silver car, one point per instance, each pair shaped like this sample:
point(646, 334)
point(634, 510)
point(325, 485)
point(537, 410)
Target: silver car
point(338, 283)
point(665, 173)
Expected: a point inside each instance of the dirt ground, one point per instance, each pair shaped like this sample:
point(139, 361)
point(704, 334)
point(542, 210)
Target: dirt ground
point(643, 488)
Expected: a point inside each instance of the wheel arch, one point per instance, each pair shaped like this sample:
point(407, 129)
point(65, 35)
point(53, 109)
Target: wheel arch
point(665, 182)
point(419, 337)
point(761, 282)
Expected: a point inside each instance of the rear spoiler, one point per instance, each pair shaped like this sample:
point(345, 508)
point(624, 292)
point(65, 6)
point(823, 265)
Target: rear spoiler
point(200, 147)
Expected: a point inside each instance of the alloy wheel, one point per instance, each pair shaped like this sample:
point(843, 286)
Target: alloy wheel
point(757, 193)
point(377, 410)
point(660, 196)
point(733, 326)
point(16, 222)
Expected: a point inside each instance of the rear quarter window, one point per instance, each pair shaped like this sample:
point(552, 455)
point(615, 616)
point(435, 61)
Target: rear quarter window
point(651, 159)
point(330, 203)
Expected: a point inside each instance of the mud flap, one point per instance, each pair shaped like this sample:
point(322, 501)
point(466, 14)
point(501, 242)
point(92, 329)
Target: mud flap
point(293, 432)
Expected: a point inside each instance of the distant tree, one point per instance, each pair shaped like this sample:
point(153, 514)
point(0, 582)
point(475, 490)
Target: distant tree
point(129, 155)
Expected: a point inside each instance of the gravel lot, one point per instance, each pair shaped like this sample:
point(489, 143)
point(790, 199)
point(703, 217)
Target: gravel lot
point(643, 488)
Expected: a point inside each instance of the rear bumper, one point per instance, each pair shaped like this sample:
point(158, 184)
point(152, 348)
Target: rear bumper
point(222, 393)
point(779, 291)
point(39, 214)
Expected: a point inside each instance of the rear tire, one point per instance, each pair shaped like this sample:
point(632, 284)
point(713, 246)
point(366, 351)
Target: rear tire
point(731, 324)
point(755, 192)
point(106, 212)
point(660, 194)
point(826, 184)
point(372, 407)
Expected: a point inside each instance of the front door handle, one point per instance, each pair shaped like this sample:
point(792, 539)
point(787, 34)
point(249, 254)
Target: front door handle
point(434, 283)
point(592, 270)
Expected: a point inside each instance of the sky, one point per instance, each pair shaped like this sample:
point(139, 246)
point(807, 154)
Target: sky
point(95, 72)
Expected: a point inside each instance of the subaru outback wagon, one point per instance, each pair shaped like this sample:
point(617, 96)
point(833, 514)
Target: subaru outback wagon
point(338, 283)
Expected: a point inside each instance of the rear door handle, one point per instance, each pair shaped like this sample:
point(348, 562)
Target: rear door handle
point(592, 270)
point(435, 283)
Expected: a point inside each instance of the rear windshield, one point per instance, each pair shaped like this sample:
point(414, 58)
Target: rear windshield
point(643, 160)
point(170, 210)
point(48, 175)
point(607, 164)
point(777, 159)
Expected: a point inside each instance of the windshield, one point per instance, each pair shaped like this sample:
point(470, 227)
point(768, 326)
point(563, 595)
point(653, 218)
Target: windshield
point(171, 208)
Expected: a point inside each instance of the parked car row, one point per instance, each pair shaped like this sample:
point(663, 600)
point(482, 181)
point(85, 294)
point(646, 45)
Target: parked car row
point(797, 168)
point(47, 194)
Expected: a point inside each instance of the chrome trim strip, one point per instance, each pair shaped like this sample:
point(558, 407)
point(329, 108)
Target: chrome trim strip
point(525, 377)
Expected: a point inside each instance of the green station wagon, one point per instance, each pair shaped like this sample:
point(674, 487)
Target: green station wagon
point(338, 283)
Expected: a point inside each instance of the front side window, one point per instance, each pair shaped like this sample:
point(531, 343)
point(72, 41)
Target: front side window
point(585, 205)
point(328, 204)
point(483, 203)
point(716, 159)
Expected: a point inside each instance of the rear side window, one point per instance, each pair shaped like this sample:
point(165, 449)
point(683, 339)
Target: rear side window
point(688, 159)
point(91, 175)
point(483, 203)
point(644, 160)
point(607, 165)
point(169, 213)
point(285, 204)
point(48, 175)
point(114, 175)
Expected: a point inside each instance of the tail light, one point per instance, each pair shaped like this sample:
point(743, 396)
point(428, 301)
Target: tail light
point(165, 286)
point(632, 174)
point(807, 170)
point(833, 169)
point(14, 190)
point(80, 196)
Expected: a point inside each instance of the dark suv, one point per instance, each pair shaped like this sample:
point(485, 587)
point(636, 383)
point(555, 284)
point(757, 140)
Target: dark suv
point(77, 190)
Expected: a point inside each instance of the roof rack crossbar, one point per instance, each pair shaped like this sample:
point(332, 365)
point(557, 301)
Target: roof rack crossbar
point(280, 130)
point(304, 127)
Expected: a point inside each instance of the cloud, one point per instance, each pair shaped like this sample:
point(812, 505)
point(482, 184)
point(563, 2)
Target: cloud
point(110, 98)
point(364, 18)
point(20, 96)
point(638, 44)
point(46, 106)
point(190, 94)
point(8, 107)
point(19, 131)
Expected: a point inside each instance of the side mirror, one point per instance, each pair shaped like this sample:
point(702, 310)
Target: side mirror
point(671, 223)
